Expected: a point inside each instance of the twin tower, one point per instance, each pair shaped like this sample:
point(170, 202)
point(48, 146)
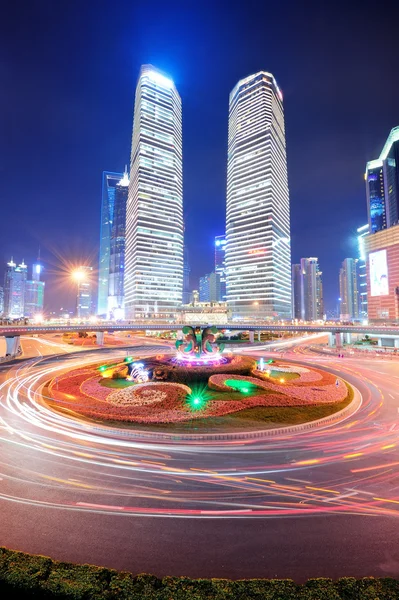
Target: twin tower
point(258, 256)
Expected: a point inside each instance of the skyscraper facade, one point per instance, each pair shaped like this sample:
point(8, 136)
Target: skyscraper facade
point(84, 292)
point(349, 289)
point(308, 290)
point(186, 276)
point(220, 264)
point(361, 233)
point(34, 293)
point(116, 298)
point(258, 255)
point(14, 290)
point(382, 185)
point(154, 217)
point(109, 183)
point(204, 288)
point(297, 300)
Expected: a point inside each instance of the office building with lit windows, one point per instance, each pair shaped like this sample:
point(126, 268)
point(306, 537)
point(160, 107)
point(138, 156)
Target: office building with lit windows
point(154, 217)
point(361, 233)
point(220, 264)
point(349, 289)
point(109, 183)
point(84, 291)
point(14, 290)
point(116, 274)
point(382, 185)
point(307, 287)
point(258, 254)
point(34, 293)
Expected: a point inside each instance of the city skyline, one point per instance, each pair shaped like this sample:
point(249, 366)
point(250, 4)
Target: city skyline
point(340, 135)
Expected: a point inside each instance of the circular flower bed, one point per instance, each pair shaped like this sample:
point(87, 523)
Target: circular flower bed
point(94, 392)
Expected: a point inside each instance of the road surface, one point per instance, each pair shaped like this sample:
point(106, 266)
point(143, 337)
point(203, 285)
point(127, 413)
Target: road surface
point(323, 502)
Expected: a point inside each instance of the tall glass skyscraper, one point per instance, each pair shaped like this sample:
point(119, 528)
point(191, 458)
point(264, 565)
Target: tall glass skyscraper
point(258, 251)
point(382, 185)
point(362, 232)
point(110, 180)
point(14, 290)
point(307, 285)
point(349, 289)
point(116, 299)
point(154, 217)
point(220, 264)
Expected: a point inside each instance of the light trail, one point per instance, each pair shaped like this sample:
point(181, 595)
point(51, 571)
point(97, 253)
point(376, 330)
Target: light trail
point(88, 466)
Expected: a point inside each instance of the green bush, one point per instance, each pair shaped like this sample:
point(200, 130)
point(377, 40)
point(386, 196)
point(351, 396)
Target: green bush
point(27, 577)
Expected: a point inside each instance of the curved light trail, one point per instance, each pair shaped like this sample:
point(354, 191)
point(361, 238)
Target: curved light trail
point(58, 459)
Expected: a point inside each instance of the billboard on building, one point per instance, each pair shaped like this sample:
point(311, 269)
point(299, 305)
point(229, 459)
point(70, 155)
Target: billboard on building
point(378, 273)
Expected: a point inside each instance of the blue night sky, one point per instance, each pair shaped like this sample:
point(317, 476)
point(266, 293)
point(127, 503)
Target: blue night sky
point(68, 73)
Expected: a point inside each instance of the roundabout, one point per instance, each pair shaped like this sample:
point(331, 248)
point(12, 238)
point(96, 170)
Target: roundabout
point(82, 490)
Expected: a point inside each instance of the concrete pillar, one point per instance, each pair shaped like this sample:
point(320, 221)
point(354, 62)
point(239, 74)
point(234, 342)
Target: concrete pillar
point(348, 338)
point(338, 340)
point(252, 336)
point(259, 338)
point(100, 338)
point(379, 342)
point(331, 340)
point(13, 345)
point(396, 342)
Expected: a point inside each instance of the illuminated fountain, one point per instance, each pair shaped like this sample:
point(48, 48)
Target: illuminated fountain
point(199, 347)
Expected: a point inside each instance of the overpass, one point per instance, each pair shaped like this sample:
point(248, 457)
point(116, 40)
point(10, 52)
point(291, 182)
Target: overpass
point(12, 333)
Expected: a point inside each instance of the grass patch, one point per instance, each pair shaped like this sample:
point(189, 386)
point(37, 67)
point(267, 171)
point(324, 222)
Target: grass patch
point(288, 376)
point(118, 384)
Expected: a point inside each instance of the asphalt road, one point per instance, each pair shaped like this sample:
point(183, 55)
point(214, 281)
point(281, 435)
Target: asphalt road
point(323, 502)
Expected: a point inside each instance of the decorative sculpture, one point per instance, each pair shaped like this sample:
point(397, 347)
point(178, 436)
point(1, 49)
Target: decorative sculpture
point(199, 343)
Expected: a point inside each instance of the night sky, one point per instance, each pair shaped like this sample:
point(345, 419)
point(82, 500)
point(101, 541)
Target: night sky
point(68, 74)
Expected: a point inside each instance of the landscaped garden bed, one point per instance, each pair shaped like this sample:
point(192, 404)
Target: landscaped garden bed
point(235, 393)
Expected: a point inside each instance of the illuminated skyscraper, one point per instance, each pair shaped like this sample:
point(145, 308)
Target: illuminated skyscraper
point(83, 277)
point(154, 217)
point(14, 290)
point(349, 289)
point(308, 290)
point(382, 185)
point(362, 232)
point(258, 255)
point(110, 180)
point(186, 276)
point(34, 293)
point(220, 264)
point(116, 299)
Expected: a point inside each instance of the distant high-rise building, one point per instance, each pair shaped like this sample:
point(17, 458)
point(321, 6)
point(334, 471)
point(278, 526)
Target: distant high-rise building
point(84, 291)
point(308, 290)
point(220, 264)
point(110, 181)
point(349, 289)
point(204, 289)
point(258, 255)
point(116, 299)
point(154, 218)
point(1, 300)
point(362, 232)
point(209, 288)
point(186, 276)
point(34, 293)
point(382, 185)
point(297, 300)
point(14, 290)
